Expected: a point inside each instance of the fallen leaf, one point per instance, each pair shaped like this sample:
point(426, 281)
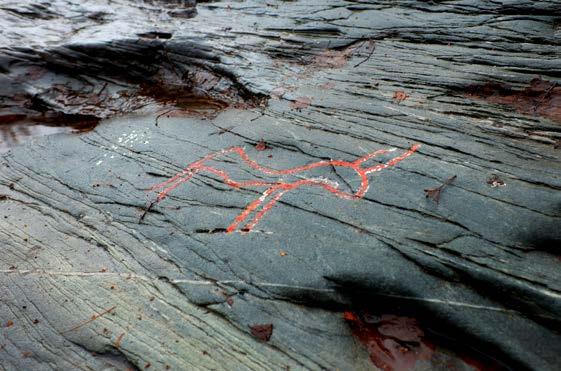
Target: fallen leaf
point(399, 96)
point(495, 181)
point(261, 145)
point(9, 323)
point(434, 193)
point(262, 332)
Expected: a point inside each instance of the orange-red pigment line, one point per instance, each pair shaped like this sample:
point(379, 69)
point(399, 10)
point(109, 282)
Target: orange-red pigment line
point(283, 187)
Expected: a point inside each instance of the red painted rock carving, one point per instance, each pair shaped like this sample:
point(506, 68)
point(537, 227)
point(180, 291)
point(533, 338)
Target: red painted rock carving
point(274, 190)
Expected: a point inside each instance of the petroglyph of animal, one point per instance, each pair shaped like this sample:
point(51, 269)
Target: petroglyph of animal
point(274, 190)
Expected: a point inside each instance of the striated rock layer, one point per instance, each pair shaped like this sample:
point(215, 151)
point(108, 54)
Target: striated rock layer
point(445, 258)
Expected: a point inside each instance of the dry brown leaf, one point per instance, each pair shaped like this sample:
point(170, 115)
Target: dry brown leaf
point(399, 96)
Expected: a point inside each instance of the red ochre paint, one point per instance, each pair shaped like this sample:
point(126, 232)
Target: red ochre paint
point(275, 190)
point(394, 343)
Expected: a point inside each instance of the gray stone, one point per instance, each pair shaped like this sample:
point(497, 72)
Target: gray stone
point(82, 235)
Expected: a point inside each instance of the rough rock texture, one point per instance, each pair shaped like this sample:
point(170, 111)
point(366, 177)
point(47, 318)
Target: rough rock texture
point(94, 273)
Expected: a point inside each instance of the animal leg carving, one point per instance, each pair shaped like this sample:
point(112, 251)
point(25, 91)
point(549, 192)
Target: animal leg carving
point(268, 206)
point(249, 209)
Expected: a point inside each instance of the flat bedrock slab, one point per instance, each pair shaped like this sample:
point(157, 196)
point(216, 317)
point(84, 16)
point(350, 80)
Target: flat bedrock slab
point(91, 264)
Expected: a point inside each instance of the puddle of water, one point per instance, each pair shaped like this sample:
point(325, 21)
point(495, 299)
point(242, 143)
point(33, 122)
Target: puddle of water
point(35, 117)
point(67, 64)
point(17, 129)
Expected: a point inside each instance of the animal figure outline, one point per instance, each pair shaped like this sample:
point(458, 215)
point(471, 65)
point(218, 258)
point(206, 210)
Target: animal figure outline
point(276, 189)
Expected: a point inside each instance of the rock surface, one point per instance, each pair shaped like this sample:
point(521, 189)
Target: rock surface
point(95, 273)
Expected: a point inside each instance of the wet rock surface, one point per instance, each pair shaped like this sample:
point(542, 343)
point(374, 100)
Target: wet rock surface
point(99, 270)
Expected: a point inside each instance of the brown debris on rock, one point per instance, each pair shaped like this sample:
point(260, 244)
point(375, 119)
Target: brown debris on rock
point(262, 332)
point(301, 103)
point(539, 98)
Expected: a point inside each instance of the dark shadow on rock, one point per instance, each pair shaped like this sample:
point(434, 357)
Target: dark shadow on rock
point(440, 329)
point(75, 86)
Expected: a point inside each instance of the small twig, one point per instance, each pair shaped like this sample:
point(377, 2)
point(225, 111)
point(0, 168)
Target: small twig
point(157, 120)
point(434, 193)
point(372, 49)
point(91, 319)
point(222, 131)
point(146, 210)
point(102, 89)
point(260, 115)
point(119, 340)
